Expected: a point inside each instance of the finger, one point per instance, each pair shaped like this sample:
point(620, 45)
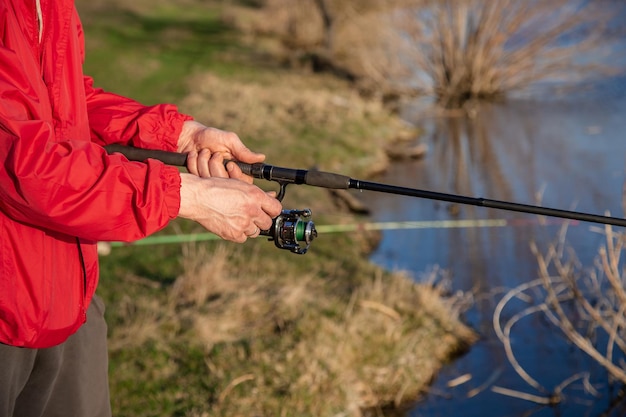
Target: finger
point(242, 153)
point(235, 172)
point(255, 233)
point(202, 163)
point(216, 166)
point(271, 206)
point(240, 239)
point(192, 163)
point(229, 234)
point(265, 223)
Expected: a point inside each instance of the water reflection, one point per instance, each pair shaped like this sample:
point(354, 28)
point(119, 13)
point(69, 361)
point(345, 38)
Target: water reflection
point(562, 154)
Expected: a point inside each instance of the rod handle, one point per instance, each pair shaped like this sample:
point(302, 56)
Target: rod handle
point(138, 154)
point(258, 170)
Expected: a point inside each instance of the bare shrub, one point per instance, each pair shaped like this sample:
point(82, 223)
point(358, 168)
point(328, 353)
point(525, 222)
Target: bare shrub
point(586, 304)
point(466, 49)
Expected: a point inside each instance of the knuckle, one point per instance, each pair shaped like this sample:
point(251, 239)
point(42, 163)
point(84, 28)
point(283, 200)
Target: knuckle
point(230, 135)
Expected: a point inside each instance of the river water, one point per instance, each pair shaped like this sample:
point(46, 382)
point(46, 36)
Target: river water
point(565, 152)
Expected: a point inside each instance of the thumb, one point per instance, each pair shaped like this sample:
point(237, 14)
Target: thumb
point(244, 154)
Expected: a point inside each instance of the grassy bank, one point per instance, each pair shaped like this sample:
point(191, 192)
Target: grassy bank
point(248, 330)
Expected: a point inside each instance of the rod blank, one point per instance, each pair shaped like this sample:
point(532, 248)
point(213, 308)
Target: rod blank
point(483, 202)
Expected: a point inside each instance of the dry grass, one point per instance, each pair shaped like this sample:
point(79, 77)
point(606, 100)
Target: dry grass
point(376, 354)
point(274, 346)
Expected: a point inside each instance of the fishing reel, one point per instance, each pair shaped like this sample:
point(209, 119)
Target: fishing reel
point(292, 231)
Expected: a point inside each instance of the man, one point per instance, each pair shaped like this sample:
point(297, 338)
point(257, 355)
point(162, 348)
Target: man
point(60, 193)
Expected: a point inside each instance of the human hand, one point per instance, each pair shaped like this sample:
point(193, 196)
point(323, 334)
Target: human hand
point(233, 210)
point(208, 147)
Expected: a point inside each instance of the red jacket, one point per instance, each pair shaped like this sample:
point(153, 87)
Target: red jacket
point(59, 191)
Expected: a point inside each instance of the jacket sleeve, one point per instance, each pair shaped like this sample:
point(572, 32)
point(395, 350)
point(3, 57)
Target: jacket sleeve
point(117, 119)
point(73, 187)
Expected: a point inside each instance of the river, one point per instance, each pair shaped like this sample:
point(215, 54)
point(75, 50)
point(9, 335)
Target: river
point(565, 152)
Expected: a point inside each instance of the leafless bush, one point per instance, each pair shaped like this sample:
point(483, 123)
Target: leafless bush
point(587, 305)
point(466, 49)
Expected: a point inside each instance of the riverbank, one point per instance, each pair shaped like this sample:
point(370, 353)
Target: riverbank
point(222, 329)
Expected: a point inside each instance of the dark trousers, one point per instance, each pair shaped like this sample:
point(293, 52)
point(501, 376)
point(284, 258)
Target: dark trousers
point(68, 380)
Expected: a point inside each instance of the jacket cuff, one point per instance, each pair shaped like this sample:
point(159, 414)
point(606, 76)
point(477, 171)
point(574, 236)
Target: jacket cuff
point(159, 128)
point(175, 122)
point(171, 190)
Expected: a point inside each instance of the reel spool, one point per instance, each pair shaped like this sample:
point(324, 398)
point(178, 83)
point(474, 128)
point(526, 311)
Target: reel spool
point(292, 231)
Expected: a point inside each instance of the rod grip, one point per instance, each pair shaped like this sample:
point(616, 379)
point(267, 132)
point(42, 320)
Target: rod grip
point(327, 180)
point(138, 154)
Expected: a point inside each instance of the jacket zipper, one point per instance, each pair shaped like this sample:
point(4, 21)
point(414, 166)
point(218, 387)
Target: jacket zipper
point(39, 18)
point(78, 245)
point(84, 267)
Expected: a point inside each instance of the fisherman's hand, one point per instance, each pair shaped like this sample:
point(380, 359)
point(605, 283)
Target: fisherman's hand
point(233, 210)
point(208, 147)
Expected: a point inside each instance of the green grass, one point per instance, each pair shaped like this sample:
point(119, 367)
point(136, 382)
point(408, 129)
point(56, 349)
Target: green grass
point(149, 56)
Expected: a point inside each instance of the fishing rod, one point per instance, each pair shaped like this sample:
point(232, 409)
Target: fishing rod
point(291, 229)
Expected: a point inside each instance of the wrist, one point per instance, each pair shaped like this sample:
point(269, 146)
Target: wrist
point(187, 195)
point(186, 139)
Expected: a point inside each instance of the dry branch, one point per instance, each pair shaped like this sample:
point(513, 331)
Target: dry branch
point(597, 297)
